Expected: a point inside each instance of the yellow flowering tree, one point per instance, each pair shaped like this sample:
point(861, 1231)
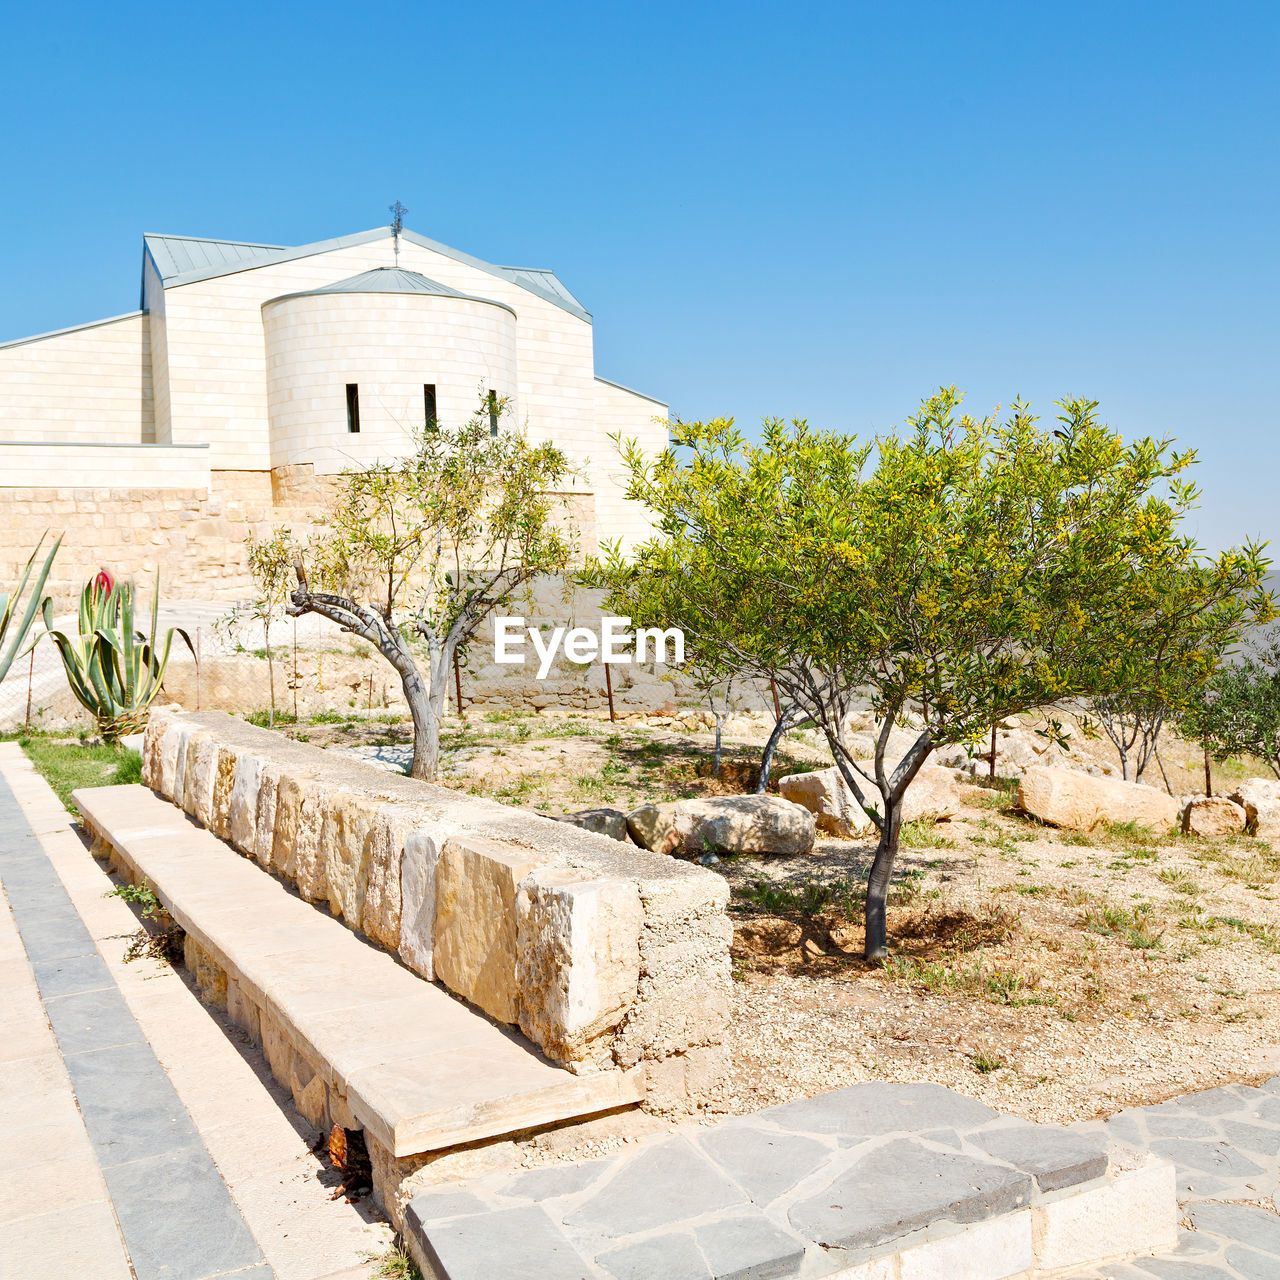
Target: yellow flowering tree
point(964, 570)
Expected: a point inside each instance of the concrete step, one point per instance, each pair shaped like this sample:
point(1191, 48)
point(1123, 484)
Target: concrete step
point(872, 1182)
point(418, 1069)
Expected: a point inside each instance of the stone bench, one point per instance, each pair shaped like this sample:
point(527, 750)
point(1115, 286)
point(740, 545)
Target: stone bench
point(871, 1182)
point(605, 955)
point(361, 1040)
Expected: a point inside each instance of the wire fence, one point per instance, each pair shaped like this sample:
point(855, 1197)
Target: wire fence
point(308, 670)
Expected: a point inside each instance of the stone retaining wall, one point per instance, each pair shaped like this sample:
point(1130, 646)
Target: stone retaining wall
point(602, 953)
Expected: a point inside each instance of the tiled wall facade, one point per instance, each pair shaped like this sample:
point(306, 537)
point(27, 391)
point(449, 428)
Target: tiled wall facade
point(91, 384)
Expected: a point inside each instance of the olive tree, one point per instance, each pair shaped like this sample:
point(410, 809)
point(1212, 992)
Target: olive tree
point(963, 571)
point(1237, 712)
point(417, 552)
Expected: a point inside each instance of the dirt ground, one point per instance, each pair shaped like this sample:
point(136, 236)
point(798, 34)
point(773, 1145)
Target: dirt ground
point(1053, 975)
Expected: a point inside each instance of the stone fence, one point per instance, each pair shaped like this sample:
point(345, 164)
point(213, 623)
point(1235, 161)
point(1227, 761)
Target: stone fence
point(605, 955)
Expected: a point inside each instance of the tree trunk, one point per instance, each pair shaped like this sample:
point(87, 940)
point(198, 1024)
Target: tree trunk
point(876, 946)
point(1208, 775)
point(766, 759)
point(426, 726)
point(271, 675)
point(715, 764)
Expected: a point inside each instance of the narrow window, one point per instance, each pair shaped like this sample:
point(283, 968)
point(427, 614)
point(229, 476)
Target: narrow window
point(429, 405)
point(353, 407)
point(493, 413)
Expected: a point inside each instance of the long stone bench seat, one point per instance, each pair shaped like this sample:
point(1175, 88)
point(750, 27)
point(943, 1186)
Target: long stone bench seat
point(418, 1069)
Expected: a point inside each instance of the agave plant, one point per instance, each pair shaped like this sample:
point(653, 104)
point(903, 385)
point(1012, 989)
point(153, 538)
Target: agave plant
point(114, 671)
point(10, 622)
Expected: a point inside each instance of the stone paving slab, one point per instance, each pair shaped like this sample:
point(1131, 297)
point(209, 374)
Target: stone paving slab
point(143, 1174)
point(803, 1189)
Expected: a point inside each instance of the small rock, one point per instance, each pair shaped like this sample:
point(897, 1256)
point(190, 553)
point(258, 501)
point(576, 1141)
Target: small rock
point(744, 824)
point(1212, 816)
point(1260, 800)
point(604, 821)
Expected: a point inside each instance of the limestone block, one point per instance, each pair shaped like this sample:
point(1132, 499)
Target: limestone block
point(1066, 798)
point(199, 775)
point(1260, 800)
point(683, 995)
point(577, 961)
point(310, 866)
point(173, 759)
point(220, 804)
point(1212, 816)
point(932, 795)
point(418, 901)
point(678, 1083)
point(345, 832)
point(277, 1047)
point(242, 1010)
point(264, 823)
point(290, 793)
point(159, 723)
point(1135, 1211)
point(475, 944)
point(310, 1092)
point(744, 824)
point(652, 826)
point(210, 977)
point(380, 913)
point(242, 806)
point(827, 796)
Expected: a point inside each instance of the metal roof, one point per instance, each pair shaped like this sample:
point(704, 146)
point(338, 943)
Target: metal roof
point(185, 255)
point(390, 280)
point(186, 259)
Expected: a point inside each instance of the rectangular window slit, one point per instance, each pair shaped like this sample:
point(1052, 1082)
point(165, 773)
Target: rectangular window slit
point(493, 413)
point(429, 405)
point(353, 407)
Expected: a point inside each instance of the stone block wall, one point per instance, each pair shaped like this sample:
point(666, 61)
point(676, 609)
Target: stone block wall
point(605, 955)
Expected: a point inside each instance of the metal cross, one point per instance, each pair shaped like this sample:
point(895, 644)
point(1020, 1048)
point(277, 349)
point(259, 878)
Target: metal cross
point(397, 225)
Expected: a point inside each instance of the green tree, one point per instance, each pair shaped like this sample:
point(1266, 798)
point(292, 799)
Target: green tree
point(421, 550)
point(1237, 712)
point(972, 570)
point(1169, 666)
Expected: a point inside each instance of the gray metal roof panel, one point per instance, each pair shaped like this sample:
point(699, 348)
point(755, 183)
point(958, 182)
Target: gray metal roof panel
point(175, 258)
point(389, 280)
point(182, 255)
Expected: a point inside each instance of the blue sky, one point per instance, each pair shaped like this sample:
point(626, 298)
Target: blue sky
point(810, 210)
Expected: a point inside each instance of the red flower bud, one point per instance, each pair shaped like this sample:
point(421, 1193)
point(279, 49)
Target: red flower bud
point(103, 583)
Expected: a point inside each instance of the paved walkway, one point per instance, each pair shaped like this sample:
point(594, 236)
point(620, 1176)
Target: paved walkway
point(141, 1130)
point(1226, 1146)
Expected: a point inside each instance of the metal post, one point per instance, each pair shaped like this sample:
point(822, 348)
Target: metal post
point(608, 684)
point(31, 671)
point(457, 682)
point(992, 773)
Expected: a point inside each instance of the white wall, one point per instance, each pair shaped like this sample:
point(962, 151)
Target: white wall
point(103, 466)
point(88, 383)
point(630, 415)
point(389, 345)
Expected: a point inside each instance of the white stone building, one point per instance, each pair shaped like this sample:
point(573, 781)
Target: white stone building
point(249, 367)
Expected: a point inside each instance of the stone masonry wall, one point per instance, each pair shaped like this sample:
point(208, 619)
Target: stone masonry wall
point(603, 954)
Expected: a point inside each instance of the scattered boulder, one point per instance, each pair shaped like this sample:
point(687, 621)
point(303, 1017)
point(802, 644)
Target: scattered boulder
point(652, 826)
point(1212, 816)
point(1260, 800)
point(744, 824)
point(605, 822)
point(827, 796)
point(1067, 798)
point(931, 795)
